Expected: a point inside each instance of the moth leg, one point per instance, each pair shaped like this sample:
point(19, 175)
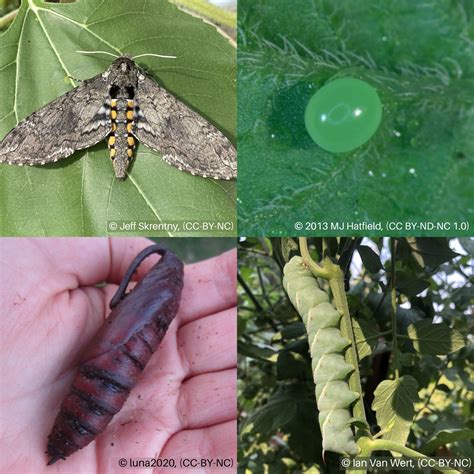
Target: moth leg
point(75, 79)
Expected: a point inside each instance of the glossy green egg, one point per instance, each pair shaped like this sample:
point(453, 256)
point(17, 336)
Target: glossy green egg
point(343, 114)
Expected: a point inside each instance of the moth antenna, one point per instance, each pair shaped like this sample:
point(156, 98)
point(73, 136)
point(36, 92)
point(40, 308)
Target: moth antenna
point(98, 52)
point(156, 55)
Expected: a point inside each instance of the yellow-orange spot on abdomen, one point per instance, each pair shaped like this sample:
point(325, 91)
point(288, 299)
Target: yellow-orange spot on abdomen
point(129, 127)
point(129, 103)
point(129, 114)
point(129, 152)
point(130, 141)
point(113, 103)
point(112, 140)
point(113, 114)
point(114, 127)
point(112, 152)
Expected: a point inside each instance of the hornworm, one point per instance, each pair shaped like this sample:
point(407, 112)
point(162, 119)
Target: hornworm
point(123, 105)
point(118, 354)
point(327, 347)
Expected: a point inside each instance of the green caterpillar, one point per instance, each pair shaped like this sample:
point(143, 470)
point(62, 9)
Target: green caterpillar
point(327, 347)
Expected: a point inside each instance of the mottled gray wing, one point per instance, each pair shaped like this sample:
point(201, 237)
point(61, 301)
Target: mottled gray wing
point(71, 122)
point(184, 138)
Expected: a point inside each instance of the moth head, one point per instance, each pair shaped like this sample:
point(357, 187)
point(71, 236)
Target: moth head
point(123, 73)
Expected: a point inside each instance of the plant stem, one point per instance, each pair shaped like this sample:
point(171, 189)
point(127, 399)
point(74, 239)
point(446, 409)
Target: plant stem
point(368, 445)
point(316, 270)
point(393, 291)
point(380, 334)
point(334, 274)
point(336, 282)
point(249, 293)
point(435, 386)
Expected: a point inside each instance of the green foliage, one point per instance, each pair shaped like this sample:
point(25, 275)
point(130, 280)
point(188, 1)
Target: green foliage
point(194, 249)
point(394, 405)
point(370, 259)
point(366, 337)
point(39, 61)
point(429, 405)
point(208, 10)
point(435, 339)
point(445, 437)
point(416, 167)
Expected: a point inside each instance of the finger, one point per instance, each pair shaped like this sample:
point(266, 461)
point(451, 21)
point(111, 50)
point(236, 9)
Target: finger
point(209, 344)
point(95, 260)
point(208, 399)
point(89, 260)
point(57, 263)
point(108, 260)
point(219, 441)
point(209, 287)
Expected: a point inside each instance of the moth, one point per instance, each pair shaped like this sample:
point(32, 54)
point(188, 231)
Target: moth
point(115, 358)
point(121, 105)
point(327, 346)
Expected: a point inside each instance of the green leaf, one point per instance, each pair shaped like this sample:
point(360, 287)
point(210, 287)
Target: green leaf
point(293, 331)
point(289, 404)
point(205, 9)
point(272, 416)
point(287, 245)
point(370, 259)
point(293, 366)
point(79, 195)
point(365, 333)
point(468, 245)
point(434, 339)
point(255, 352)
point(394, 406)
point(299, 346)
point(445, 437)
point(286, 178)
point(407, 359)
point(434, 251)
point(360, 423)
point(409, 285)
point(241, 325)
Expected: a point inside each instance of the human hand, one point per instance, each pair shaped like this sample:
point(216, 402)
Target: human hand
point(183, 406)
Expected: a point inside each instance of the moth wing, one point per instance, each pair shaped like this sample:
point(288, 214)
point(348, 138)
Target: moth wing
point(184, 138)
point(73, 121)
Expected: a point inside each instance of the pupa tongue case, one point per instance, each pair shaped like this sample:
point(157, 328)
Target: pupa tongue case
point(343, 114)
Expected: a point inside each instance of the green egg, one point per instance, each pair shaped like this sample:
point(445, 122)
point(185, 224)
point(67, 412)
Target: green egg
point(343, 114)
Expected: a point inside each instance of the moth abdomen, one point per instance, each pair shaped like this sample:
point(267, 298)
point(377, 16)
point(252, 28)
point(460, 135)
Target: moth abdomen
point(91, 403)
point(93, 400)
point(99, 391)
point(121, 141)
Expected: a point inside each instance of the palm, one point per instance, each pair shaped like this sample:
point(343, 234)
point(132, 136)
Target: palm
point(186, 395)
